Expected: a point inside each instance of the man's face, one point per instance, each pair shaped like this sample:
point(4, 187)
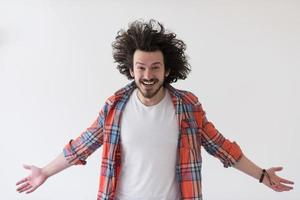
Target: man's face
point(148, 72)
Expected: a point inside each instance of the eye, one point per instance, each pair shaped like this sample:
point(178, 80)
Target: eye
point(140, 67)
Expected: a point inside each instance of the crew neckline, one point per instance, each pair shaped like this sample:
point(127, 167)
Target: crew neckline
point(135, 94)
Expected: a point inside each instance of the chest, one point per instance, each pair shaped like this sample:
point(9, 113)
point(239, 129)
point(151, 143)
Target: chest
point(152, 127)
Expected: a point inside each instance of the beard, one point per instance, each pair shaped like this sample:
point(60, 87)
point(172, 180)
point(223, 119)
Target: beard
point(149, 91)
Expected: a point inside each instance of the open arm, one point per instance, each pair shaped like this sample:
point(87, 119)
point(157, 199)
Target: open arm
point(271, 179)
point(38, 175)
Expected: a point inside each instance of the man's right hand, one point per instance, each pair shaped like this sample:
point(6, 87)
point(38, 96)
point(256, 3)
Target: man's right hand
point(36, 178)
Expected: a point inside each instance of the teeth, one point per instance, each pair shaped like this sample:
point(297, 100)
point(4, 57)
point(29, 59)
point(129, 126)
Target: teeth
point(148, 83)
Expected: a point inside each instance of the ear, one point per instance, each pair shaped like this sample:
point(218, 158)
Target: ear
point(167, 73)
point(131, 72)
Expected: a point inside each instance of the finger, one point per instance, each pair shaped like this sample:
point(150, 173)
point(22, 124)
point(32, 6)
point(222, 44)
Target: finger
point(22, 181)
point(286, 181)
point(26, 188)
point(278, 188)
point(21, 188)
point(31, 190)
point(281, 187)
point(284, 187)
point(277, 169)
point(27, 166)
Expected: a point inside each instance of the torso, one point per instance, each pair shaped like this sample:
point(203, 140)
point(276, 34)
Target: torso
point(149, 138)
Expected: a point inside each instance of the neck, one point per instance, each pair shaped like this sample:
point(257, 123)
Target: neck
point(153, 100)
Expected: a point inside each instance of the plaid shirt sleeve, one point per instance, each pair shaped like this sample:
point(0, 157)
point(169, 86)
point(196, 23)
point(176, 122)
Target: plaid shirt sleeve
point(216, 144)
point(77, 150)
point(212, 140)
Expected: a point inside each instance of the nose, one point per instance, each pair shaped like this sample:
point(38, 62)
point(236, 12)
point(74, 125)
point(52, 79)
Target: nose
point(148, 74)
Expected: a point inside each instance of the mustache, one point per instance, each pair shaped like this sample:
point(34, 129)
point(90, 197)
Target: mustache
point(149, 80)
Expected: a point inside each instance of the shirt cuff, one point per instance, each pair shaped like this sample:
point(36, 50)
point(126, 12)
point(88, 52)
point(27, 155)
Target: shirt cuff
point(71, 155)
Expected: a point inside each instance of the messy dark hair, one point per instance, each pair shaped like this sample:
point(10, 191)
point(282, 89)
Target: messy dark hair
point(150, 36)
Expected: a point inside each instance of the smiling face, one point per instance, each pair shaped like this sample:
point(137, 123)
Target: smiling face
point(149, 75)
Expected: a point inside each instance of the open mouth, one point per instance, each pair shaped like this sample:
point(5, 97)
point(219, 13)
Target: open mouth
point(148, 83)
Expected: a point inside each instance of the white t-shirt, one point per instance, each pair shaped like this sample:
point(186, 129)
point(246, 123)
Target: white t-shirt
point(149, 137)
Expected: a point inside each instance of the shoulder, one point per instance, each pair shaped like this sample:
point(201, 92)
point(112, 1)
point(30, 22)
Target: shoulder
point(121, 94)
point(186, 97)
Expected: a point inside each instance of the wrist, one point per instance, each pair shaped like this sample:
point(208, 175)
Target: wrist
point(45, 171)
point(265, 177)
point(262, 176)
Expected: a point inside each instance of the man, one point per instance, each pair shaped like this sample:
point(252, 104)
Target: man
point(151, 132)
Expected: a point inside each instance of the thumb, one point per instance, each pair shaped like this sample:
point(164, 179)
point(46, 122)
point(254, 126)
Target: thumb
point(27, 166)
point(277, 168)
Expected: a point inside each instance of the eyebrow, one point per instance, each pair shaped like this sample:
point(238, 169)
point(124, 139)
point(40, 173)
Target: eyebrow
point(140, 63)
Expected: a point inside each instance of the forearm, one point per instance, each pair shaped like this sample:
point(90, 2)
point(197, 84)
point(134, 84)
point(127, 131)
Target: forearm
point(58, 164)
point(247, 166)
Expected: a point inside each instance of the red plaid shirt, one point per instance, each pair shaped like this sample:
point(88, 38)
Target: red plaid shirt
point(195, 131)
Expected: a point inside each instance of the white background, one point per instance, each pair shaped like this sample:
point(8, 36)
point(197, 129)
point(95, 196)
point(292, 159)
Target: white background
point(56, 70)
